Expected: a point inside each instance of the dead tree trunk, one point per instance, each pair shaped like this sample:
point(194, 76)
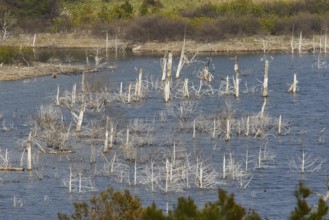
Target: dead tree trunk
point(83, 104)
point(169, 65)
point(181, 60)
point(166, 95)
point(265, 83)
point(164, 67)
point(293, 88)
point(186, 93)
point(106, 135)
point(300, 43)
point(236, 83)
point(29, 153)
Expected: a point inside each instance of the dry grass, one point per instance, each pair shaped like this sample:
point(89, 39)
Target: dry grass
point(248, 44)
point(71, 40)
point(238, 45)
point(38, 69)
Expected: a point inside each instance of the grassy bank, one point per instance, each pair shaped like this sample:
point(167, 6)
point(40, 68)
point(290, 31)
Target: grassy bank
point(250, 44)
point(36, 69)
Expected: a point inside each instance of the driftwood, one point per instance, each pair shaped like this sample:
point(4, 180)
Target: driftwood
point(61, 152)
point(12, 169)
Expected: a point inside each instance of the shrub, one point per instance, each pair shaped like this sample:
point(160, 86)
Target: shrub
point(303, 210)
point(209, 31)
point(11, 55)
point(113, 205)
point(150, 7)
point(109, 205)
point(208, 10)
point(185, 209)
point(83, 17)
point(305, 22)
point(269, 23)
point(240, 8)
point(249, 25)
point(155, 27)
point(8, 54)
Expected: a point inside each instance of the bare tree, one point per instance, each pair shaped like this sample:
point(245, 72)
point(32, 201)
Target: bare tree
point(7, 21)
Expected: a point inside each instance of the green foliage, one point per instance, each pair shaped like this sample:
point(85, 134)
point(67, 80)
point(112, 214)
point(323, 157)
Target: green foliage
point(150, 7)
point(83, 16)
point(143, 10)
point(8, 54)
point(117, 12)
point(123, 11)
point(111, 205)
point(127, 8)
point(303, 210)
point(226, 208)
point(269, 23)
point(11, 55)
point(185, 209)
point(152, 212)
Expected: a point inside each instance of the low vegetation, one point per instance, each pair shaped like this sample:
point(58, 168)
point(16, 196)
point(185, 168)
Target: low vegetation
point(116, 205)
point(122, 205)
point(166, 19)
point(11, 55)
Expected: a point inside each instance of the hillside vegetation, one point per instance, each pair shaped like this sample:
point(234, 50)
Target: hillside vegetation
point(145, 20)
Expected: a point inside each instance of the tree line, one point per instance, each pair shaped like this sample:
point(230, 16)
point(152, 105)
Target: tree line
point(112, 205)
point(154, 20)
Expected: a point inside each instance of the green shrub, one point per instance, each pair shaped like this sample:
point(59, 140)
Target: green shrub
point(15, 55)
point(269, 23)
point(111, 205)
point(150, 7)
point(303, 210)
point(155, 27)
point(8, 54)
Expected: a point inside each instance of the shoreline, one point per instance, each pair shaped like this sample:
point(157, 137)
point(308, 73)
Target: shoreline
point(234, 45)
point(255, 44)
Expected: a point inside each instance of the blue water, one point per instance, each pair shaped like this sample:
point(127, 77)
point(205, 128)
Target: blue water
point(41, 193)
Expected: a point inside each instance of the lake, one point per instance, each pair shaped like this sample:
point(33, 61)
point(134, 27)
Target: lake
point(170, 161)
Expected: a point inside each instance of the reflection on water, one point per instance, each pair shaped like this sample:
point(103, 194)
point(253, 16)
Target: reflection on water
point(43, 193)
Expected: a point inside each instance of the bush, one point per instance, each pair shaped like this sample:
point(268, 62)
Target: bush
point(150, 7)
point(155, 27)
point(15, 55)
point(208, 10)
point(305, 22)
point(8, 54)
point(113, 205)
point(83, 17)
point(303, 210)
point(269, 23)
point(109, 205)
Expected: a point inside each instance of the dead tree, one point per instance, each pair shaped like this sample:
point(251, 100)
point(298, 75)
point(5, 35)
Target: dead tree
point(265, 83)
point(293, 88)
point(6, 22)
